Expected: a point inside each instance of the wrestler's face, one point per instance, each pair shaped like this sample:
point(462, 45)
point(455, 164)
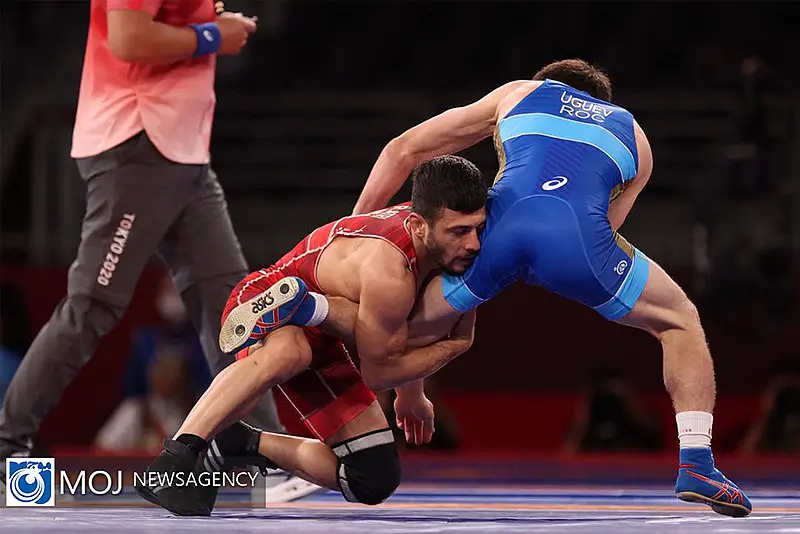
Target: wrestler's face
point(453, 239)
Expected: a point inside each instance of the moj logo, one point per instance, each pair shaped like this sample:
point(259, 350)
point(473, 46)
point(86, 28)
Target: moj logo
point(99, 483)
point(29, 482)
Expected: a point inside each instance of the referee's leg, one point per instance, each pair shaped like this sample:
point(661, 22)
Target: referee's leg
point(129, 207)
point(206, 262)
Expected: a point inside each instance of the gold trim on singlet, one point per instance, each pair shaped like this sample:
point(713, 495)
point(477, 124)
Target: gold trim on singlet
point(622, 243)
point(501, 154)
point(615, 192)
point(618, 190)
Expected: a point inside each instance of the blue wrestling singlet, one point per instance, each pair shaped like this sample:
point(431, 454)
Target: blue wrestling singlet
point(563, 154)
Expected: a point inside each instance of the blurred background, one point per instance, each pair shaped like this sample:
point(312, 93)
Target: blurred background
point(304, 112)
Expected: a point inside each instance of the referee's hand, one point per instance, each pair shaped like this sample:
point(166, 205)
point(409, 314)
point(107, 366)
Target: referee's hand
point(235, 29)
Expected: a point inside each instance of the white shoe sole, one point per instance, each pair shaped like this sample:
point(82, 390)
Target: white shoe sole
point(290, 489)
point(239, 324)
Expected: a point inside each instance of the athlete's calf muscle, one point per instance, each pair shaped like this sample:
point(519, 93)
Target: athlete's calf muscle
point(341, 319)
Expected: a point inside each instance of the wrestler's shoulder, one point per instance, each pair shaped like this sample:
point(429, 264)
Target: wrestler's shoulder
point(384, 257)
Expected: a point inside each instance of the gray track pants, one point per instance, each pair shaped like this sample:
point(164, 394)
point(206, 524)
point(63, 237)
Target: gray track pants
point(137, 204)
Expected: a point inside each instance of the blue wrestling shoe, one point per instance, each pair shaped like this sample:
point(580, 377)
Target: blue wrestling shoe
point(260, 313)
point(699, 481)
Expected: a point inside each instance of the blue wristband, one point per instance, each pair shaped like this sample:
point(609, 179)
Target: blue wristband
point(209, 38)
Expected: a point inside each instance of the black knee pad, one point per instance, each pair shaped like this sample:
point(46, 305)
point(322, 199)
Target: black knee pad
point(369, 467)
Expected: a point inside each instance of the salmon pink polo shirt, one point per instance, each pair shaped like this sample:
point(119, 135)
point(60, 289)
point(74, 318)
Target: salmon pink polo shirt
point(173, 104)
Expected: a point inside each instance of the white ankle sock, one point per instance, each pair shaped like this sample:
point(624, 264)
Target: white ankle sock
point(694, 429)
point(321, 308)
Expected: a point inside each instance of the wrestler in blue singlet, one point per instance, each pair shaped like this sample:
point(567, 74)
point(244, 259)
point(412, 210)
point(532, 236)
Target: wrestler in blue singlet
point(563, 154)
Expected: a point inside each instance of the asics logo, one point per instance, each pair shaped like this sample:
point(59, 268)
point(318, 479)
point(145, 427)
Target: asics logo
point(261, 303)
point(621, 266)
point(733, 494)
point(555, 183)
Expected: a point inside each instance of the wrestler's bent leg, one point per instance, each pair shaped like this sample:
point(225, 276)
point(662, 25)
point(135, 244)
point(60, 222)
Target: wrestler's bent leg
point(360, 460)
point(664, 310)
point(232, 393)
point(355, 451)
point(313, 459)
point(344, 415)
point(230, 397)
point(579, 256)
point(622, 284)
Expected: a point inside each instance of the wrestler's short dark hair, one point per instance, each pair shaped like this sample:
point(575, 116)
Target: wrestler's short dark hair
point(579, 74)
point(446, 182)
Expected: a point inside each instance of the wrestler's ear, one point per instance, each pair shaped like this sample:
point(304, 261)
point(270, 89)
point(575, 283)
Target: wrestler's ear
point(417, 225)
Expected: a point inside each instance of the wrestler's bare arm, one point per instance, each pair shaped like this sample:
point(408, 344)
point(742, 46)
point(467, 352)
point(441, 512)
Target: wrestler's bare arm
point(386, 300)
point(341, 319)
point(430, 322)
point(447, 133)
point(621, 205)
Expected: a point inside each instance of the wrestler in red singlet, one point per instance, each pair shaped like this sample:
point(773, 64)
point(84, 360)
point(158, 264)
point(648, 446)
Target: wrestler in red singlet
point(330, 393)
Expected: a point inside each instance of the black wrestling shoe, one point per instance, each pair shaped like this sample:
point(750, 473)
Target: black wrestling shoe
point(236, 446)
point(168, 481)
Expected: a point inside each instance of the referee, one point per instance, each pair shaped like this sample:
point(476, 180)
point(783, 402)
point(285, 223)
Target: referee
point(141, 142)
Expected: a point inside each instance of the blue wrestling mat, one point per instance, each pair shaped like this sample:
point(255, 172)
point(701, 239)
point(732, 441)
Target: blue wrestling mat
point(432, 508)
